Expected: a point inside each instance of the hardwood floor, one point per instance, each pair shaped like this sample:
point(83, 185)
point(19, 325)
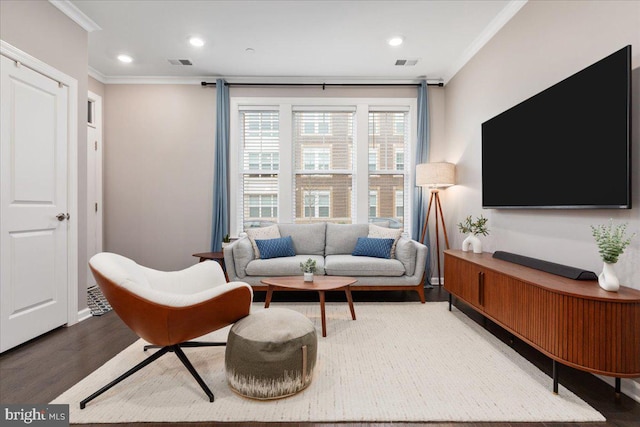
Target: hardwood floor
point(40, 370)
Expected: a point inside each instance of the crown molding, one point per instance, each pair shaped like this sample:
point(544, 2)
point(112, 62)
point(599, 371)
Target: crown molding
point(153, 80)
point(76, 15)
point(97, 75)
point(494, 26)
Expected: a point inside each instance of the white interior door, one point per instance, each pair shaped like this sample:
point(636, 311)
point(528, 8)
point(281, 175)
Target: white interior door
point(94, 180)
point(33, 204)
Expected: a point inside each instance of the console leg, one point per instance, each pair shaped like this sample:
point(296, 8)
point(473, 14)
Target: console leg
point(450, 300)
point(618, 387)
point(555, 377)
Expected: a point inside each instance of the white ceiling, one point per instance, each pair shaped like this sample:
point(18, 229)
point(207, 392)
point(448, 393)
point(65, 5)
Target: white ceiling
point(304, 40)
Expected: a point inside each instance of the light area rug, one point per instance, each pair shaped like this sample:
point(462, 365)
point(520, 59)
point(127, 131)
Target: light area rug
point(405, 361)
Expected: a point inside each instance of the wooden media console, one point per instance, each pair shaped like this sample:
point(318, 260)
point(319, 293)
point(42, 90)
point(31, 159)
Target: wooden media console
point(574, 322)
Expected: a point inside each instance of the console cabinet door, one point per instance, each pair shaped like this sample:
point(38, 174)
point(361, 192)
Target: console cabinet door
point(462, 279)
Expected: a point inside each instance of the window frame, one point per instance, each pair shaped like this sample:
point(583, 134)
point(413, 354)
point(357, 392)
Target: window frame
point(285, 106)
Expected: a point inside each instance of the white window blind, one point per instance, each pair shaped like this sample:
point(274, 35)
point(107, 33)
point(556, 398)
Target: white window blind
point(260, 139)
point(323, 162)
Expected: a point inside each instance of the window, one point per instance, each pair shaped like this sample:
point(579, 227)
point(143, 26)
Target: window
point(323, 166)
point(263, 206)
point(389, 178)
point(260, 167)
point(399, 159)
point(373, 160)
point(306, 160)
point(316, 204)
point(316, 124)
point(399, 203)
point(373, 204)
point(316, 158)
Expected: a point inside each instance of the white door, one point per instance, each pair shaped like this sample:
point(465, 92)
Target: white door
point(33, 204)
point(94, 180)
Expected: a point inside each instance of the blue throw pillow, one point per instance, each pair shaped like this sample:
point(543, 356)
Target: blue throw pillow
point(378, 248)
point(275, 248)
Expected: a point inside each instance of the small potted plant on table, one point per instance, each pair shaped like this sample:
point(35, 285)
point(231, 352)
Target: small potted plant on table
point(226, 240)
point(308, 268)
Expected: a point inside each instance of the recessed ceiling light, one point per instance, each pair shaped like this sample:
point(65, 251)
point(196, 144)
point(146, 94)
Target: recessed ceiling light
point(196, 41)
point(125, 58)
point(250, 50)
point(396, 41)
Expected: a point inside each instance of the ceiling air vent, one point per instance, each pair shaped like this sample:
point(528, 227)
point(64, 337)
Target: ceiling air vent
point(406, 62)
point(180, 62)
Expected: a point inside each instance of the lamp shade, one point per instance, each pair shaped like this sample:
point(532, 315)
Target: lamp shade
point(436, 175)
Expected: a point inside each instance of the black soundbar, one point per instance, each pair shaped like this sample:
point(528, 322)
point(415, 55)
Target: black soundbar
point(547, 266)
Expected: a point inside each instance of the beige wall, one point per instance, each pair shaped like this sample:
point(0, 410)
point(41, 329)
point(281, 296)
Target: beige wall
point(544, 43)
point(42, 31)
point(96, 87)
point(158, 172)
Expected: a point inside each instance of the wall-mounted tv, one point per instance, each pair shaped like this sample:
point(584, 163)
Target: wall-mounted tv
point(567, 147)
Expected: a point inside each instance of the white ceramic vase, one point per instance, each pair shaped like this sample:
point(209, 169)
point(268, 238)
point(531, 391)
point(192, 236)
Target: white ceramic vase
point(308, 277)
point(472, 242)
point(608, 279)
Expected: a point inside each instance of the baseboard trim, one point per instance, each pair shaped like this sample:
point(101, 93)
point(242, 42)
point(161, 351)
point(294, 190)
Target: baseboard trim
point(627, 386)
point(84, 314)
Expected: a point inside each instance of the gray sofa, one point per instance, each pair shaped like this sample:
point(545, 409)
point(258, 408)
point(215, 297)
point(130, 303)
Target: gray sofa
point(331, 246)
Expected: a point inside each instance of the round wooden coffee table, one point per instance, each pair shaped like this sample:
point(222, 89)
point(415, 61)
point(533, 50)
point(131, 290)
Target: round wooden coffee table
point(320, 284)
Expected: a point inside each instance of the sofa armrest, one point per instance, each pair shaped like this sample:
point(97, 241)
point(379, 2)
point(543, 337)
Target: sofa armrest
point(413, 255)
point(236, 257)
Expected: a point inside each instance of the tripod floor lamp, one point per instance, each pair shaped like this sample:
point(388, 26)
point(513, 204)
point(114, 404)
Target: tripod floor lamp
point(435, 176)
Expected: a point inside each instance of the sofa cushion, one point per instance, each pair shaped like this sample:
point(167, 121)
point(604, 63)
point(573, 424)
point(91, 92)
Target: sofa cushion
point(406, 254)
point(271, 232)
point(242, 255)
point(289, 266)
point(342, 238)
point(308, 239)
point(378, 232)
point(349, 265)
point(275, 248)
point(377, 248)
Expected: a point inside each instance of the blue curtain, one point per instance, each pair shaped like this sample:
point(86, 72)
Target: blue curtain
point(220, 224)
point(420, 196)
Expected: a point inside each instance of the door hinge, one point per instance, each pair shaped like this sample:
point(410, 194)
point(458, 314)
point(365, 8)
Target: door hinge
point(95, 145)
point(96, 206)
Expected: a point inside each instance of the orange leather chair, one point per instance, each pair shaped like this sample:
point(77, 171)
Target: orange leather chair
point(168, 309)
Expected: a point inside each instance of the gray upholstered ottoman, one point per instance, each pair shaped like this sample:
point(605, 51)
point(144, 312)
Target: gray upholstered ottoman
point(271, 354)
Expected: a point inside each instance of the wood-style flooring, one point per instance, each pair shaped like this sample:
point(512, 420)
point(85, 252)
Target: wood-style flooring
point(41, 369)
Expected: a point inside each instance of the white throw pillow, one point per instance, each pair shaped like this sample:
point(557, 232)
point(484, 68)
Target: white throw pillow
point(271, 232)
point(377, 232)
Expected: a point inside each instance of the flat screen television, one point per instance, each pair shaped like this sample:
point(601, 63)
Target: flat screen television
point(568, 147)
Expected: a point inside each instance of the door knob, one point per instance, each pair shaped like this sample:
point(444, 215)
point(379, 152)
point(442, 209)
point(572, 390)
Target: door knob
point(62, 216)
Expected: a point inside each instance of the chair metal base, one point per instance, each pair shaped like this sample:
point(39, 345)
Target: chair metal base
point(177, 349)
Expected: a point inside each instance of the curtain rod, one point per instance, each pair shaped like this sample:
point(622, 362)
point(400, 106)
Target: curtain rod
point(324, 85)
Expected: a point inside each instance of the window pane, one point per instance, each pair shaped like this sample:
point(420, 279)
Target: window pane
point(323, 142)
point(260, 165)
point(261, 140)
point(260, 199)
point(323, 198)
point(388, 144)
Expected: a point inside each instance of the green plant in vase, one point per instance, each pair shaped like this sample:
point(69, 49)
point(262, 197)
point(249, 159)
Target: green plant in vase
point(611, 241)
point(473, 229)
point(308, 268)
